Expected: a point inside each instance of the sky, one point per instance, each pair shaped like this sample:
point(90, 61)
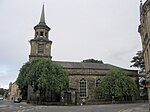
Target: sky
point(80, 29)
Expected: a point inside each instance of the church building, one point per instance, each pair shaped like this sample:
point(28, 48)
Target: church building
point(83, 77)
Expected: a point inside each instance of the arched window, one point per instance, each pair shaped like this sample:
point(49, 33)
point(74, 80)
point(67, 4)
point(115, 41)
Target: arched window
point(41, 34)
point(46, 34)
point(83, 88)
point(98, 81)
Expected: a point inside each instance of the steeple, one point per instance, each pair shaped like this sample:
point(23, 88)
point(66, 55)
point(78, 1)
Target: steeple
point(41, 45)
point(42, 20)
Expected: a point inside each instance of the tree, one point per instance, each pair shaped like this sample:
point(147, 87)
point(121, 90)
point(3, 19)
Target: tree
point(43, 75)
point(92, 61)
point(22, 80)
point(138, 62)
point(116, 83)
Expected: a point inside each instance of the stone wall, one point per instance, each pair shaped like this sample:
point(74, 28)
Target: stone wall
point(91, 75)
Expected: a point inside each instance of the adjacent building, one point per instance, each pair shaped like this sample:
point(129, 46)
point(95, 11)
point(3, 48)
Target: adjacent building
point(13, 91)
point(144, 30)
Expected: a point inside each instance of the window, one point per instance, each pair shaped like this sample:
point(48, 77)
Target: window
point(37, 34)
point(146, 37)
point(40, 48)
point(148, 60)
point(98, 81)
point(83, 88)
point(148, 48)
point(46, 34)
point(41, 34)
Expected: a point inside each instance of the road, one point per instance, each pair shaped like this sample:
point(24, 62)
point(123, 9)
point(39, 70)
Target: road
point(8, 106)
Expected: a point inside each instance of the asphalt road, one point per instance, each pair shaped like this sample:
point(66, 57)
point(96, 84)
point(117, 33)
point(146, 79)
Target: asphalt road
point(8, 106)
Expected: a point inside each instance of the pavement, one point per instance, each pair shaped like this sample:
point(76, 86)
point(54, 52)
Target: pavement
point(141, 108)
point(2, 106)
point(132, 110)
point(6, 105)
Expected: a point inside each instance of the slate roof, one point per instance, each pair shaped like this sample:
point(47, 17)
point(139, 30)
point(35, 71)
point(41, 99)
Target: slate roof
point(92, 66)
point(81, 65)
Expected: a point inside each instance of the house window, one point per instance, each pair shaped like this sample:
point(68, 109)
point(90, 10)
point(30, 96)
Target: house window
point(40, 48)
point(146, 37)
point(98, 81)
point(83, 88)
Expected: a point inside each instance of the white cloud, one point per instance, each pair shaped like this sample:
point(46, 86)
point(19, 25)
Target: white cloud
point(7, 75)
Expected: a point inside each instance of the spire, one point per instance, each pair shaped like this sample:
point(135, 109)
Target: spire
point(42, 20)
point(42, 23)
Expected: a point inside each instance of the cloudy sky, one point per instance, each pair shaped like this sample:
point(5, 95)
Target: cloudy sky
point(80, 29)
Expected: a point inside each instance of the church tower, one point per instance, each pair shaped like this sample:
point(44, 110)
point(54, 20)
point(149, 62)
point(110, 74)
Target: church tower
point(41, 45)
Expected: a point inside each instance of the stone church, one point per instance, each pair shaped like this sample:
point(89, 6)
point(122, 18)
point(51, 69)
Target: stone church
point(83, 77)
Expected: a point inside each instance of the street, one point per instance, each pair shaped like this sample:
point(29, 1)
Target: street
point(9, 106)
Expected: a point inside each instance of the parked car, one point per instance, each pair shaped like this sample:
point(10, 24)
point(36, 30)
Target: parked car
point(17, 100)
point(1, 98)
